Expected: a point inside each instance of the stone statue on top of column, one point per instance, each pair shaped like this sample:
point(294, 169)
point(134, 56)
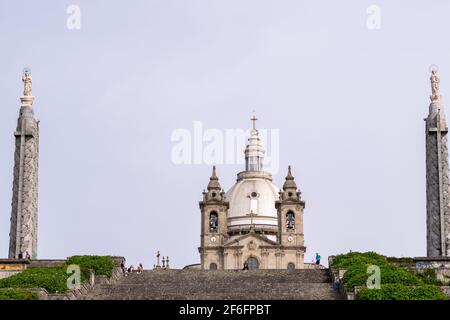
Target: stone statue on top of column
point(435, 96)
point(28, 82)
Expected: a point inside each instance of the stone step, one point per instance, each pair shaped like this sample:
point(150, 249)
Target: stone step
point(310, 276)
point(305, 291)
point(219, 284)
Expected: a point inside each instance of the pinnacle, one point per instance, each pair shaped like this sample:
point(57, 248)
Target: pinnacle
point(289, 183)
point(214, 180)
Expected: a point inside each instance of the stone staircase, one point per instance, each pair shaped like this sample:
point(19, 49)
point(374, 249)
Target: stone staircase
point(220, 285)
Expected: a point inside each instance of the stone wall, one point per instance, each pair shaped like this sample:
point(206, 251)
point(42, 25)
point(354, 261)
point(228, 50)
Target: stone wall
point(9, 267)
point(46, 263)
point(7, 273)
point(440, 264)
point(336, 276)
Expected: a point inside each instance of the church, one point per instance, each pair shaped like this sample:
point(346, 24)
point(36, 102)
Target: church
point(254, 223)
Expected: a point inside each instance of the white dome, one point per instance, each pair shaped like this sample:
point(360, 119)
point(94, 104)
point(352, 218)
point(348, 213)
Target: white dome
point(253, 193)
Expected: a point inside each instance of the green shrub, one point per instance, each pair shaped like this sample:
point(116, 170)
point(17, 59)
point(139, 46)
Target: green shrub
point(344, 261)
point(53, 279)
point(402, 262)
point(397, 283)
point(357, 263)
point(18, 295)
point(101, 265)
point(402, 292)
point(356, 275)
point(428, 276)
point(392, 274)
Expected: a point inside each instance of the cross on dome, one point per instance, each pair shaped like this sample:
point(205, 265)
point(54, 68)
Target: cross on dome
point(254, 121)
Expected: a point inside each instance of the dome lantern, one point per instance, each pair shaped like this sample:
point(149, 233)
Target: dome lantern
point(254, 152)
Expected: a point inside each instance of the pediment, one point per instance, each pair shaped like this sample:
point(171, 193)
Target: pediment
point(248, 238)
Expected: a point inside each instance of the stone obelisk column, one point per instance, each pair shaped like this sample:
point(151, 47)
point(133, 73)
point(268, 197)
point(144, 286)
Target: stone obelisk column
point(438, 188)
point(23, 233)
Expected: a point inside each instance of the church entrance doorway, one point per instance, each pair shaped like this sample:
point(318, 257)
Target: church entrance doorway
point(253, 263)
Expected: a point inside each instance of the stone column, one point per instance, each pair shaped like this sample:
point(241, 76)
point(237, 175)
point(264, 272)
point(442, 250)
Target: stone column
point(437, 176)
point(24, 222)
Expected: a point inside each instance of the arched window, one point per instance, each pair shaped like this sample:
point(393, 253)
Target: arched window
point(290, 220)
point(291, 266)
point(213, 221)
point(213, 266)
point(252, 263)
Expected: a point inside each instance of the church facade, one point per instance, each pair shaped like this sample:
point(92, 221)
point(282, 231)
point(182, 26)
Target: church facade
point(254, 223)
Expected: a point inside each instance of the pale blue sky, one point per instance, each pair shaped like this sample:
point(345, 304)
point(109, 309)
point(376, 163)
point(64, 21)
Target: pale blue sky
point(349, 103)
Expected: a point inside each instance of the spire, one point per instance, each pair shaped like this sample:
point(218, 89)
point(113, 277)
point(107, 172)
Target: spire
point(214, 181)
point(254, 152)
point(289, 183)
point(289, 176)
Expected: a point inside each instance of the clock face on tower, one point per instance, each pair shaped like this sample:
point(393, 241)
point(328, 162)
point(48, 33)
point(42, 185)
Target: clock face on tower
point(213, 239)
point(290, 238)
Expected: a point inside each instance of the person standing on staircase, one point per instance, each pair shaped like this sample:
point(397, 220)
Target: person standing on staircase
point(122, 266)
point(317, 260)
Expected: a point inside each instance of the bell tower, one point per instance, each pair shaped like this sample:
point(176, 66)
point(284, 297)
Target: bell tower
point(213, 209)
point(290, 219)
